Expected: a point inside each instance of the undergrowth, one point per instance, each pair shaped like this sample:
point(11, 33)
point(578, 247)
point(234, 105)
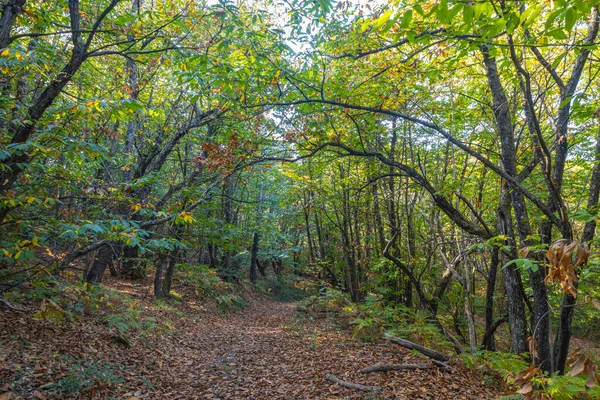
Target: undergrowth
point(62, 301)
point(511, 368)
point(205, 281)
point(86, 376)
point(372, 318)
point(284, 288)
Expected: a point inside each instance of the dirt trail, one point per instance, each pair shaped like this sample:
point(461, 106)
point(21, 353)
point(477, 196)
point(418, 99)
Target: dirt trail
point(263, 352)
point(266, 353)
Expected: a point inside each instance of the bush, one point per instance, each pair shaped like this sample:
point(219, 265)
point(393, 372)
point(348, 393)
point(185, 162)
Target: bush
point(231, 302)
point(283, 288)
point(511, 368)
point(374, 316)
point(87, 375)
point(130, 320)
point(204, 280)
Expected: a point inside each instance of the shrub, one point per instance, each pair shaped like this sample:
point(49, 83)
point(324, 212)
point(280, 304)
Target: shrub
point(231, 302)
point(87, 375)
point(283, 288)
point(204, 280)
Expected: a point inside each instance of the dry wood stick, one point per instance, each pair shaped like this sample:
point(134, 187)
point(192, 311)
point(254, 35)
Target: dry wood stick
point(351, 385)
point(433, 354)
point(394, 367)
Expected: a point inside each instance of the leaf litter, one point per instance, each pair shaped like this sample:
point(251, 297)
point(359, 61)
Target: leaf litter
point(265, 351)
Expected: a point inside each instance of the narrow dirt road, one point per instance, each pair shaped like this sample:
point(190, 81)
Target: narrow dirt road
point(263, 352)
point(266, 353)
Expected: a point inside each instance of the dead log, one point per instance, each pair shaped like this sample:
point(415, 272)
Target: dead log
point(433, 354)
point(394, 367)
point(350, 385)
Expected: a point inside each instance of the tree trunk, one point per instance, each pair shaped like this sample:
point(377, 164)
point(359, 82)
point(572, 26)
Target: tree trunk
point(103, 258)
point(130, 268)
point(490, 344)
point(563, 333)
point(168, 279)
point(541, 310)
point(254, 258)
point(158, 287)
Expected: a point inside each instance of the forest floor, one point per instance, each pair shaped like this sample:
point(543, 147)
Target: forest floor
point(265, 351)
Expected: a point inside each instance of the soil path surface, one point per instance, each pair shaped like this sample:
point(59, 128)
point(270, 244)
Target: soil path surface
point(267, 351)
point(270, 353)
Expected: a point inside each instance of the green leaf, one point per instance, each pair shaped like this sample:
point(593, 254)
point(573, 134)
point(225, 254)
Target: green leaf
point(570, 19)
point(557, 34)
point(558, 60)
point(468, 15)
point(512, 23)
point(529, 15)
point(406, 18)
point(443, 13)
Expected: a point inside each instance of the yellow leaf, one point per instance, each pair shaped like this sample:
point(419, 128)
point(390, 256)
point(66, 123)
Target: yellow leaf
point(5, 53)
point(92, 103)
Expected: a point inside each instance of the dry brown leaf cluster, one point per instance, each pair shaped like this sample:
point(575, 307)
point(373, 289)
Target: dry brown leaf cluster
point(579, 364)
point(562, 270)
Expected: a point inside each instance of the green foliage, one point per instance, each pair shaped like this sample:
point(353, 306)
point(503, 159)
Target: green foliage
point(567, 387)
point(373, 317)
point(130, 320)
point(283, 288)
point(507, 365)
point(205, 281)
point(85, 376)
point(231, 302)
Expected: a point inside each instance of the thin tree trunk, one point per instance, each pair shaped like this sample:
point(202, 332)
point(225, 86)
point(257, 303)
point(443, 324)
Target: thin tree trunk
point(490, 344)
point(102, 259)
point(564, 331)
point(158, 288)
point(254, 258)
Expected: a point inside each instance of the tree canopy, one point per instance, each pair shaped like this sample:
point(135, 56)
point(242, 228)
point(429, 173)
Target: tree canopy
point(442, 155)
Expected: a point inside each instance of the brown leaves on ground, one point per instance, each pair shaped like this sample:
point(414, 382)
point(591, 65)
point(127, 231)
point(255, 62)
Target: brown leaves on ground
point(264, 352)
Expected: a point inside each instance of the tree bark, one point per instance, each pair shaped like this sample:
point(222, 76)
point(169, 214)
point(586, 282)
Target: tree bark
point(168, 279)
point(254, 258)
point(158, 287)
point(489, 343)
point(564, 331)
point(103, 257)
point(541, 310)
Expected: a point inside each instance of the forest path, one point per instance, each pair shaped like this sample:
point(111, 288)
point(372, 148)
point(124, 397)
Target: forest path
point(267, 352)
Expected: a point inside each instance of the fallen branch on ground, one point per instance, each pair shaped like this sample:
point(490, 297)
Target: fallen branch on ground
point(12, 306)
point(350, 385)
point(394, 367)
point(442, 365)
point(433, 354)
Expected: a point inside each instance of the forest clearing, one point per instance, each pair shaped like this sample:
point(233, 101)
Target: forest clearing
point(289, 199)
